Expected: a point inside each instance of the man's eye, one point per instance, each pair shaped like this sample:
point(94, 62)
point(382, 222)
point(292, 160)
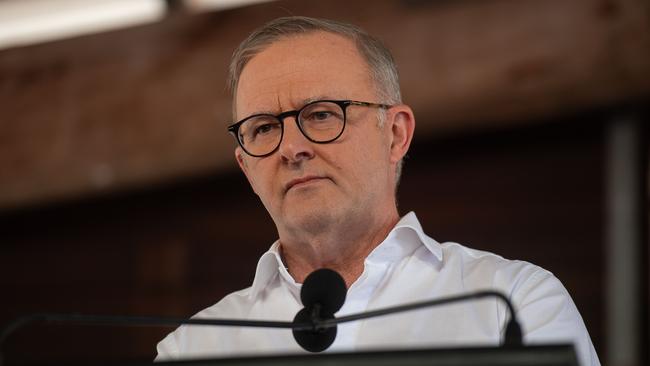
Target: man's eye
point(320, 116)
point(265, 128)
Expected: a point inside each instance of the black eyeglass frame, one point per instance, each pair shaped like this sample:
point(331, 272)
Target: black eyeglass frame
point(344, 104)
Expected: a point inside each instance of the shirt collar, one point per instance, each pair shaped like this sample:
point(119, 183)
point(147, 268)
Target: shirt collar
point(269, 265)
point(399, 243)
point(406, 237)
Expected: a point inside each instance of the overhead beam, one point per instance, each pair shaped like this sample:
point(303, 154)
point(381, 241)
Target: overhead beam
point(148, 105)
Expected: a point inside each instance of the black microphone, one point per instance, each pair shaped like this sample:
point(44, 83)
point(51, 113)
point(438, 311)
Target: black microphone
point(323, 294)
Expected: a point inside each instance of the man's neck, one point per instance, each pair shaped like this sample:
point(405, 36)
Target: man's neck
point(343, 249)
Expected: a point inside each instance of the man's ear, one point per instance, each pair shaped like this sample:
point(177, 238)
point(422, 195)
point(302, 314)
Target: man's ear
point(239, 156)
point(402, 127)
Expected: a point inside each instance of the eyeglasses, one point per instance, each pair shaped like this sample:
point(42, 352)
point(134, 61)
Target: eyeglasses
point(321, 121)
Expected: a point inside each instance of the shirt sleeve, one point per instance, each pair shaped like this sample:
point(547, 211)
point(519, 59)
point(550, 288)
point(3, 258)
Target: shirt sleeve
point(167, 349)
point(548, 315)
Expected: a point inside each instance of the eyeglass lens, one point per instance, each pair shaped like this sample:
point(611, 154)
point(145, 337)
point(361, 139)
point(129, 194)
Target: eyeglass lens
point(319, 122)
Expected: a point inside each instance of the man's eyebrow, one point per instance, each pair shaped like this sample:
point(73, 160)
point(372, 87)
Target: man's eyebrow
point(264, 111)
point(302, 103)
point(313, 99)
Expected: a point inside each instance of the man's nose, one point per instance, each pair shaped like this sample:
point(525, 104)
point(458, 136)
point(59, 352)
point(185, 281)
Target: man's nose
point(295, 146)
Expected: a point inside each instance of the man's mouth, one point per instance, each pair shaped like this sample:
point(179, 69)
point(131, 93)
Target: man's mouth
point(300, 181)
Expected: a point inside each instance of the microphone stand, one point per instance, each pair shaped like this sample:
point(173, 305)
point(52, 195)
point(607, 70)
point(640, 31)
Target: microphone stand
point(512, 335)
point(139, 320)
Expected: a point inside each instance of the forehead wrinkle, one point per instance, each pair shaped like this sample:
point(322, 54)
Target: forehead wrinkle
point(287, 101)
point(274, 87)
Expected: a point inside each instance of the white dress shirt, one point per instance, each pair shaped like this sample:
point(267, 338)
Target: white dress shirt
point(407, 266)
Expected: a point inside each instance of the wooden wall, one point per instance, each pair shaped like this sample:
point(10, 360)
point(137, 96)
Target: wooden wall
point(534, 194)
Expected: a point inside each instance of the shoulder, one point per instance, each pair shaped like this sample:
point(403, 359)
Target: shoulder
point(523, 282)
point(191, 340)
point(544, 306)
point(235, 304)
point(489, 269)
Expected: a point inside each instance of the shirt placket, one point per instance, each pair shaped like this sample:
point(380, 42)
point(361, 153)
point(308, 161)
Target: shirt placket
point(357, 300)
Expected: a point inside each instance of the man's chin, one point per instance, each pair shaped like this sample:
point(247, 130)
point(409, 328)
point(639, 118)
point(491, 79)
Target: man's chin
point(313, 219)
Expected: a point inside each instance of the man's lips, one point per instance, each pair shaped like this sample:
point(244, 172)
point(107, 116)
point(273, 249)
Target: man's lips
point(301, 180)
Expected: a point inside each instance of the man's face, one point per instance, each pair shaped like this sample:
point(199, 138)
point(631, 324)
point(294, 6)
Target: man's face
point(305, 185)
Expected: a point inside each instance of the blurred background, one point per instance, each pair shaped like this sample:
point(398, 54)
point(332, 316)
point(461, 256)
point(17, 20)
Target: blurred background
point(119, 193)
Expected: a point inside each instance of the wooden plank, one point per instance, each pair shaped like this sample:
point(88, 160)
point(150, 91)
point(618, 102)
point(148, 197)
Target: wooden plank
point(148, 105)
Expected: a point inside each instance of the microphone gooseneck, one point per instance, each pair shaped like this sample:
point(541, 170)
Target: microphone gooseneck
point(117, 320)
point(512, 333)
point(322, 294)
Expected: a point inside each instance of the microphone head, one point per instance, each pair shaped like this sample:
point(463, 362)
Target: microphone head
point(325, 287)
point(313, 341)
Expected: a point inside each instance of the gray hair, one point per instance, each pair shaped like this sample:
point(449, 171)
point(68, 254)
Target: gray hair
point(381, 64)
point(379, 59)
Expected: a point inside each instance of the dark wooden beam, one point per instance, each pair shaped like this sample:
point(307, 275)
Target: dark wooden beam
point(148, 105)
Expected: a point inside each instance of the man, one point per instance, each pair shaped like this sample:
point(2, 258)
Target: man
point(322, 132)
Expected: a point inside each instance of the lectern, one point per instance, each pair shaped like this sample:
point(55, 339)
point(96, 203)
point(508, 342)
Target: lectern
point(547, 355)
